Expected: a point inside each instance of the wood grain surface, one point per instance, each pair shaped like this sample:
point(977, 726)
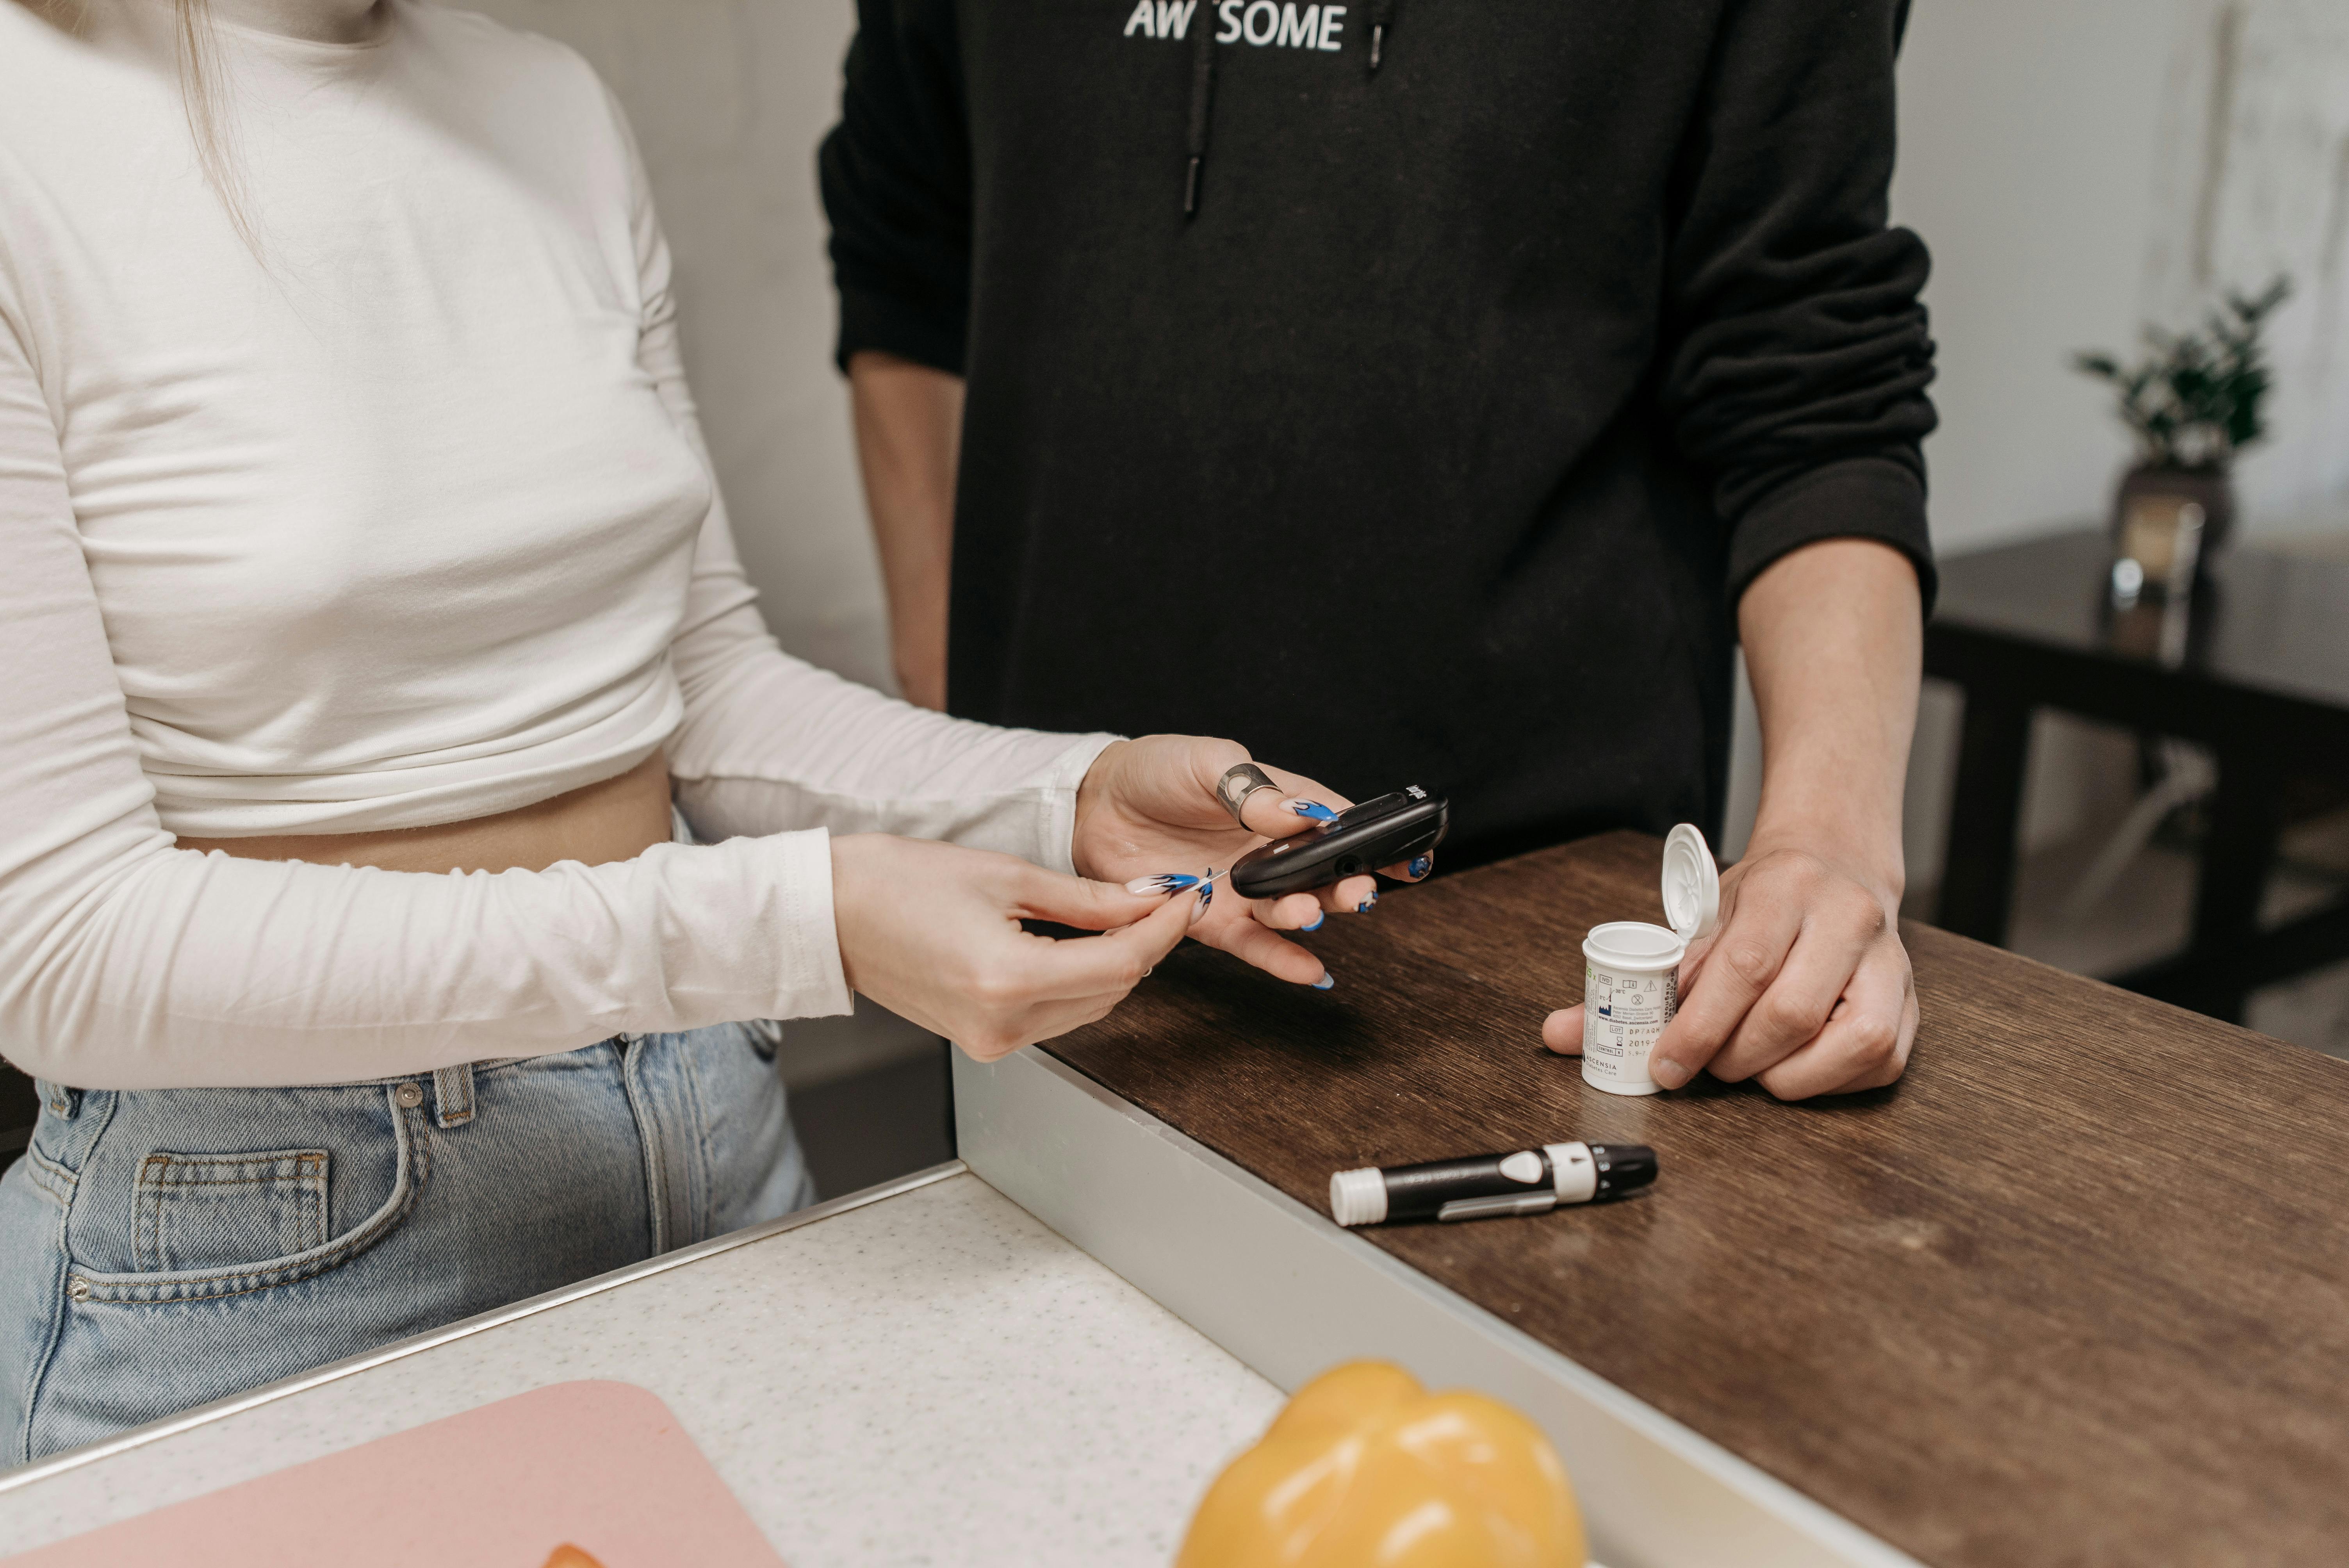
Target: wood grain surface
point(2074, 1292)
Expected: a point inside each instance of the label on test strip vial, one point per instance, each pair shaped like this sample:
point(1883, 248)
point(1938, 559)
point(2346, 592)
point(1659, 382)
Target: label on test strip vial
point(1626, 1012)
point(1631, 990)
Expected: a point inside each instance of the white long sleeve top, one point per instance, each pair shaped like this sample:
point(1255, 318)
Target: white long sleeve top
point(395, 514)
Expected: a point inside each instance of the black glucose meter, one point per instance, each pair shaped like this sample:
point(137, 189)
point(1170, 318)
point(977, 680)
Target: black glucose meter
point(1393, 828)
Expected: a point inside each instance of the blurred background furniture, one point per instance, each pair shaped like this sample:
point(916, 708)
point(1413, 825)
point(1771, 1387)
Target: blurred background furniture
point(2256, 671)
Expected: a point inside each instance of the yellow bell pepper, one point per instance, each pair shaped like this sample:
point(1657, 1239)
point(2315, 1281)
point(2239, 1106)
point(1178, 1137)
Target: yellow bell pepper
point(1365, 1469)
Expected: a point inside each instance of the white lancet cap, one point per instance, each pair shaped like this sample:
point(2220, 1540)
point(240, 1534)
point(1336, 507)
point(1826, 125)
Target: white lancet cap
point(1358, 1197)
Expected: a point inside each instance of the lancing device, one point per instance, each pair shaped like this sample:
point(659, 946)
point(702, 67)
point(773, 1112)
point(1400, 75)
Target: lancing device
point(1530, 1181)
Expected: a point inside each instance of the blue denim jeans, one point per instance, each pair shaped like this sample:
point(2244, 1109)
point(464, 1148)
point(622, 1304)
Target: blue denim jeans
point(162, 1248)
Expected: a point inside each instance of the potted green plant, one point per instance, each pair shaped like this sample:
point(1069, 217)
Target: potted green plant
point(2193, 402)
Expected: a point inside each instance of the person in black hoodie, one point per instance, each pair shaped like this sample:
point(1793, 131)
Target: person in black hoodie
point(1449, 384)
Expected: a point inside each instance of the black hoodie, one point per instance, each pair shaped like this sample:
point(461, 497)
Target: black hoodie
point(1405, 387)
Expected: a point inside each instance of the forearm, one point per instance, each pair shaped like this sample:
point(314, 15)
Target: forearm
point(162, 968)
point(1834, 644)
point(908, 421)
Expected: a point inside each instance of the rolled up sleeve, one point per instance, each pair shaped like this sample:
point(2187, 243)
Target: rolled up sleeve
point(1798, 351)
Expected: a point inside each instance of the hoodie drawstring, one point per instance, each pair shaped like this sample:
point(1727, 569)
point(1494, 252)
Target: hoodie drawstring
point(1203, 102)
point(1203, 88)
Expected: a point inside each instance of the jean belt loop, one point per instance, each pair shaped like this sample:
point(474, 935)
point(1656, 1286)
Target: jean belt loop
point(64, 1103)
point(452, 1095)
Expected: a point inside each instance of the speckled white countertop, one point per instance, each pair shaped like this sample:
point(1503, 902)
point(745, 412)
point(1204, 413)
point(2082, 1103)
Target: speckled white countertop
point(931, 1379)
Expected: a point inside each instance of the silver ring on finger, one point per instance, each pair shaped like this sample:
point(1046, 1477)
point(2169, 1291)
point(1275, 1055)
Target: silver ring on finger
point(1239, 781)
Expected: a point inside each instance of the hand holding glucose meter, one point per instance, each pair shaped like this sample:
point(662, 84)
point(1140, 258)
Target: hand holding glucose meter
point(1380, 833)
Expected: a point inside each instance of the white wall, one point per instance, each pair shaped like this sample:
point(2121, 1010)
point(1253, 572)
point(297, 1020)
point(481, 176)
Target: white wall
point(2059, 158)
point(2027, 144)
point(728, 99)
point(2253, 180)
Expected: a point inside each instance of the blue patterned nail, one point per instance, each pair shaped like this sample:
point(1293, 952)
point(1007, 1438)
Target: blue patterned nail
point(1364, 907)
point(1206, 896)
point(1325, 982)
point(1317, 922)
point(1313, 811)
point(1165, 882)
point(1421, 866)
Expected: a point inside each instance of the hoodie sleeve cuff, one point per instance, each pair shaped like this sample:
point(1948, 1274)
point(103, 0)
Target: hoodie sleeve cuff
point(891, 324)
point(1859, 497)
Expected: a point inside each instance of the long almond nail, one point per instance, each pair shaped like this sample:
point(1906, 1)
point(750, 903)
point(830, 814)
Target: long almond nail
point(1421, 866)
point(1325, 980)
point(1165, 882)
point(1318, 921)
point(1206, 897)
point(1312, 810)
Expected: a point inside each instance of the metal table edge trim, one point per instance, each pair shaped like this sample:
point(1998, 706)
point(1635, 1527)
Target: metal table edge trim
point(170, 1425)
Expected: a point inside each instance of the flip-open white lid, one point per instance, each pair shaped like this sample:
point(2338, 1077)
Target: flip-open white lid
point(1691, 885)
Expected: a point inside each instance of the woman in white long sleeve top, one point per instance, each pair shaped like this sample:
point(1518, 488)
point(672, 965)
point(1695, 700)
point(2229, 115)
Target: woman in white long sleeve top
point(365, 604)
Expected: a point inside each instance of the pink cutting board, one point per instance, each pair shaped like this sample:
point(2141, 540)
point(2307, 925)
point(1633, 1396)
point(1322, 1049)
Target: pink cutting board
point(602, 1467)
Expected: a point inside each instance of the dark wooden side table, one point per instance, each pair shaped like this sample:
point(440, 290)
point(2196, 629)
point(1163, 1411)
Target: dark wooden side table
point(2074, 1291)
point(2260, 676)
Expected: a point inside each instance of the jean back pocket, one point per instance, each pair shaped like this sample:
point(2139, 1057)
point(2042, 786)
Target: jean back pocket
point(215, 1211)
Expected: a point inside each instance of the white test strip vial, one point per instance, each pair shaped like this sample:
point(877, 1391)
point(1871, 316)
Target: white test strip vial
point(1630, 986)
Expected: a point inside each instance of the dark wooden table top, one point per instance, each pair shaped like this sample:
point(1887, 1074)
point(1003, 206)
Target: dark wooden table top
point(2076, 1291)
point(2265, 623)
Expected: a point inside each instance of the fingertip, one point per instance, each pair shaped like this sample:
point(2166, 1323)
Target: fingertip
point(1562, 1031)
point(1293, 911)
point(1172, 920)
point(1080, 901)
point(1256, 944)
